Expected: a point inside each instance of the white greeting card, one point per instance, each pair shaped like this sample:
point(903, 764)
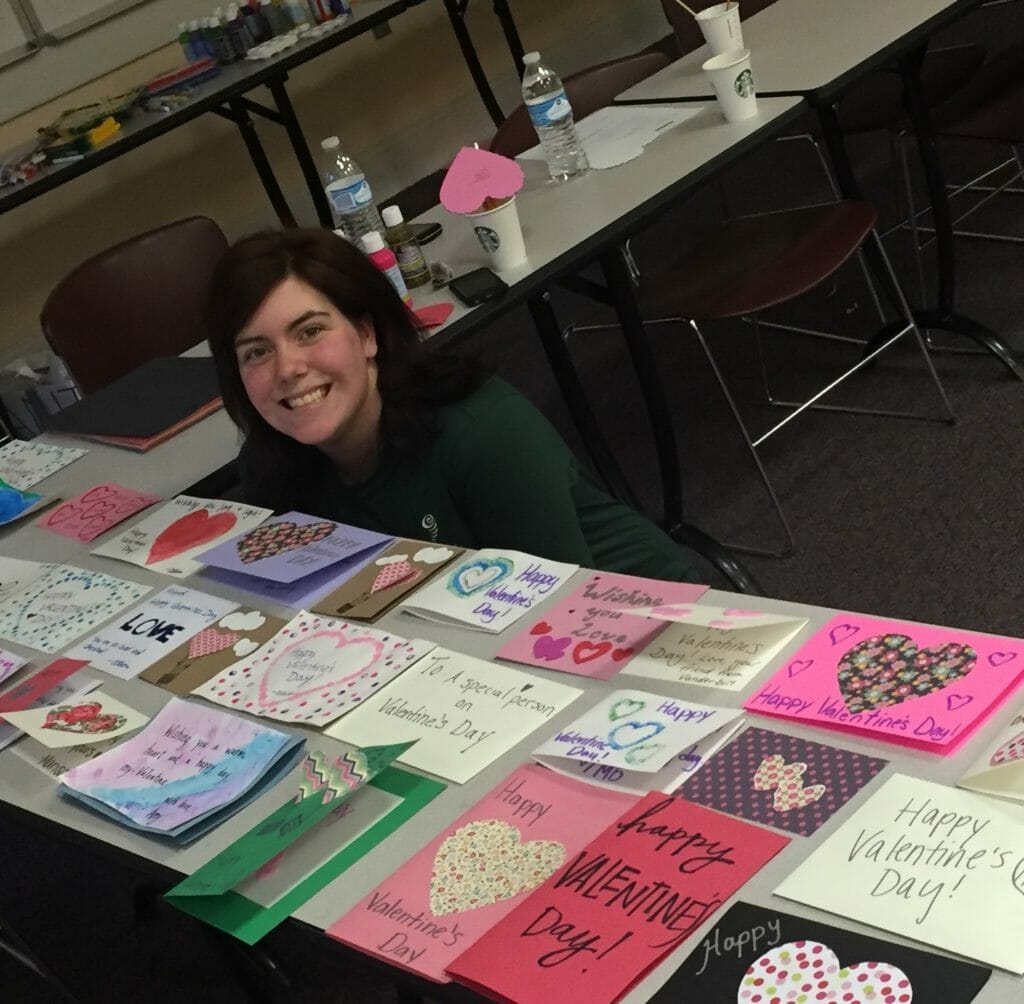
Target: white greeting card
point(999, 770)
point(463, 712)
point(489, 589)
point(25, 464)
point(17, 575)
point(78, 721)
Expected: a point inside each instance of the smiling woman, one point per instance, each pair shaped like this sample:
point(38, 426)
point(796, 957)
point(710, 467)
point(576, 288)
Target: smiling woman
point(347, 416)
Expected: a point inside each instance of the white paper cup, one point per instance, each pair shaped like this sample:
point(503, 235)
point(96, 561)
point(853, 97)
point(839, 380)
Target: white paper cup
point(734, 84)
point(720, 25)
point(500, 235)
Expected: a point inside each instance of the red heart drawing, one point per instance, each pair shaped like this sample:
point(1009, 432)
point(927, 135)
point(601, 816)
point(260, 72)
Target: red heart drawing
point(275, 538)
point(621, 653)
point(587, 651)
point(189, 531)
point(541, 627)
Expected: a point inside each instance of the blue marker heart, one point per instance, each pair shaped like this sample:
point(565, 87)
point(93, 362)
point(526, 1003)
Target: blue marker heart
point(477, 575)
point(630, 733)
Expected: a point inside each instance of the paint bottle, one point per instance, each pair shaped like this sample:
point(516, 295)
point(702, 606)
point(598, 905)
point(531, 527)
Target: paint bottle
point(383, 257)
point(320, 10)
point(298, 12)
point(276, 17)
point(414, 268)
point(339, 8)
point(185, 41)
point(200, 45)
point(238, 33)
point(262, 21)
point(217, 38)
point(259, 30)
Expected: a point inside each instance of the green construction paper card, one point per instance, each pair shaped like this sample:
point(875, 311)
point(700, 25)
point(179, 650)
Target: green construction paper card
point(324, 786)
point(235, 915)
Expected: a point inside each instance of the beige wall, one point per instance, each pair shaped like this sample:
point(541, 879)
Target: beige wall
point(402, 105)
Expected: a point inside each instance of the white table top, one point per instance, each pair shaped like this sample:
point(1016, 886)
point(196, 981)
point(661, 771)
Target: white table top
point(807, 46)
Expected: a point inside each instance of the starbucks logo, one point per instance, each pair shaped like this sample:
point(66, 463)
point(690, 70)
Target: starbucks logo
point(744, 84)
point(488, 238)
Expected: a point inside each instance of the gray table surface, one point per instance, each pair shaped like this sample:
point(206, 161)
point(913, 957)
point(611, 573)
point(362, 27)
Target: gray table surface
point(806, 46)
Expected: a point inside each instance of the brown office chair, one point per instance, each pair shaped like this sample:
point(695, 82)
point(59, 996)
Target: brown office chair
point(746, 265)
point(138, 300)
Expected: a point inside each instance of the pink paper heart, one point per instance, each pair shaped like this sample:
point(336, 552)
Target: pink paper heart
point(476, 175)
point(736, 612)
point(672, 610)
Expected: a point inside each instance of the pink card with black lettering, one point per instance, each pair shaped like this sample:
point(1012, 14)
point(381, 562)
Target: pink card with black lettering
point(911, 684)
point(588, 634)
point(476, 870)
point(613, 910)
point(780, 780)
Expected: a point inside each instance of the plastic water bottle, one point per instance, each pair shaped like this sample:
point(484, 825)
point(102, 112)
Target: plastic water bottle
point(348, 192)
point(551, 115)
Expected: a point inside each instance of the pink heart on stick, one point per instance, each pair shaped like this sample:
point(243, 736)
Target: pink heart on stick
point(476, 175)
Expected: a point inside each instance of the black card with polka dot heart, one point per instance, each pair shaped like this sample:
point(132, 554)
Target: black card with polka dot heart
point(758, 956)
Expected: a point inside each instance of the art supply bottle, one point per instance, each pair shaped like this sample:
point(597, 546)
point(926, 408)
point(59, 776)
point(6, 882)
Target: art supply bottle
point(259, 30)
point(185, 41)
point(238, 33)
point(298, 12)
point(277, 17)
point(200, 45)
point(339, 8)
point(321, 11)
point(217, 39)
point(382, 256)
point(262, 19)
point(551, 115)
point(413, 266)
point(348, 192)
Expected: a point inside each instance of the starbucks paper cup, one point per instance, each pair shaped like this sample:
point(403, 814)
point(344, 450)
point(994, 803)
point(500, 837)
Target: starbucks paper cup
point(500, 235)
point(734, 84)
point(720, 25)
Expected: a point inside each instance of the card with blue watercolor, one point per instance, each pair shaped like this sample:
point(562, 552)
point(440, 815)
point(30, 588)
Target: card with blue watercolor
point(489, 589)
point(15, 503)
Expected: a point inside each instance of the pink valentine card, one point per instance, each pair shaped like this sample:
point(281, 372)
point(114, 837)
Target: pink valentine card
point(589, 634)
point(86, 517)
point(476, 870)
point(33, 687)
point(613, 910)
point(911, 684)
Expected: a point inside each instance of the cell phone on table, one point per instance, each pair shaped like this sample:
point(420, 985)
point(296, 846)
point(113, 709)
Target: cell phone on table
point(478, 287)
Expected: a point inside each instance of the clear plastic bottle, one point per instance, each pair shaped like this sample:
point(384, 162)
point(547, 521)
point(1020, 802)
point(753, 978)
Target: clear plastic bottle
point(348, 192)
point(551, 115)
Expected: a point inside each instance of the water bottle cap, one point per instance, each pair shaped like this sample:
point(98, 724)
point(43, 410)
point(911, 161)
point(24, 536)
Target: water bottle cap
point(371, 242)
point(392, 216)
point(530, 58)
point(331, 143)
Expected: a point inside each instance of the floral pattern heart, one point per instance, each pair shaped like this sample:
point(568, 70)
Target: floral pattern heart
point(807, 972)
point(1012, 749)
point(486, 862)
point(889, 669)
point(84, 718)
point(277, 538)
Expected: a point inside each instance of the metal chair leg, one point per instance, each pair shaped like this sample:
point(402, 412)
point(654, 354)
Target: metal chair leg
point(719, 556)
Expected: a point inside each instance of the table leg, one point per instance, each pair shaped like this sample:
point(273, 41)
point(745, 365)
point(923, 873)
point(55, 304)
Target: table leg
point(620, 285)
point(302, 154)
point(241, 117)
point(457, 16)
point(569, 384)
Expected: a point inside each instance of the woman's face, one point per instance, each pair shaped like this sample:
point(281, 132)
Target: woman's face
point(309, 371)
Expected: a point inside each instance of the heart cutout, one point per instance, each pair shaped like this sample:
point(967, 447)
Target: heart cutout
point(549, 648)
point(738, 612)
point(85, 719)
point(541, 627)
point(476, 175)
point(196, 528)
point(1012, 749)
point(479, 574)
point(486, 862)
point(632, 734)
point(397, 574)
point(812, 970)
point(277, 538)
point(888, 669)
point(793, 795)
point(773, 769)
point(618, 654)
point(672, 610)
point(624, 707)
point(211, 640)
point(587, 651)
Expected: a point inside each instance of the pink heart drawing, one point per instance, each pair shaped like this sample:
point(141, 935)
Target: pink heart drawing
point(476, 175)
point(672, 610)
point(1012, 749)
point(550, 648)
point(721, 624)
point(841, 632)
point(809, 970)
point(797, 666)
point(1001, 658)
point(736, 612)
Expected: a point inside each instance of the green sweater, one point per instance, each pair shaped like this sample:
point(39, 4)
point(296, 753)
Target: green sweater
point(497, 475)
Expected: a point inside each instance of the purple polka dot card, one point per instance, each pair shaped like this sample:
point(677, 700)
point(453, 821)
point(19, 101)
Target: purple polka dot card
point(782, 781)
point(758, 956)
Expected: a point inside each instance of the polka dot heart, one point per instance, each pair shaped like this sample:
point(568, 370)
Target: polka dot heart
point(805, 972)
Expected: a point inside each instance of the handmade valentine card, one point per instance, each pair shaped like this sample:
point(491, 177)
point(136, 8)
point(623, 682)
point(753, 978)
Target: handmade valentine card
point(632, 731)
point(189, 769)
point(170, 539)
point(489, 589)
point(10, 664)
point(780, 780)
point(755, 955)
point(911, 684)
point(464, 712)
point(382, 582)
point(62, 681)
point(588, 634)
point(476, 870)
point(15, 503)
point(94, 512)
point(612, 910)
point(24, 464)
point(17, 575)
point(999, 768)
point(212, 650)
point(139, 637)
point(351, 829)
point(722, 647)
point(73, 723)
point(477, 175)
point(927, 862)
point(64, 604)
point(314, 670)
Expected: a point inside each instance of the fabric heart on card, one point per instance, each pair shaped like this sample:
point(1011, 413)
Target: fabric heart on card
point(787, 781)
point(86, 719)
point(889, 669)
point(209, 641)
point(1012, 749)
point(277, 538)
point(810, 971)
point(199, 527)
point(485, 862)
